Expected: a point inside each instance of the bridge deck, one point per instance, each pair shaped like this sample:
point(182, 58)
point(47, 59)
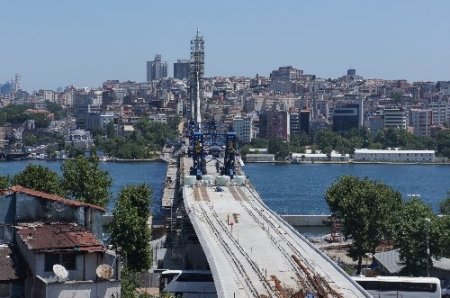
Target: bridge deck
point(252, 252)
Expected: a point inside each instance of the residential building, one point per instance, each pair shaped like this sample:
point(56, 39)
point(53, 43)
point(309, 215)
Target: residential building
point(43, 230)
point(421, 121)
point(280, 79)
point(376, 123)
point(156, 69)
point(181, 69)
point(395, 118)
point(294, 119)
point(274, 124)
point(243, 126)
point(441, 111)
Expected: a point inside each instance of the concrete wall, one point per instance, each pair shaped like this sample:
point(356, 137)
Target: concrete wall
point(259, 157)
point(73, 274)
point(7, 210)
point(31, 209)
point(89, 289)
point(305, 220)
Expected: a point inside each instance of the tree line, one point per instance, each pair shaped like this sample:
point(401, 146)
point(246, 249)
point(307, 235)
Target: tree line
point(372, 213)
point(147, 138)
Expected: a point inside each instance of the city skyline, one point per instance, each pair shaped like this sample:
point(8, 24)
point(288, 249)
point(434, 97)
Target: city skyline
point(86, 43)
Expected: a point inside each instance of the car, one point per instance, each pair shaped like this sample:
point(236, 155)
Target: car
point(219, 189)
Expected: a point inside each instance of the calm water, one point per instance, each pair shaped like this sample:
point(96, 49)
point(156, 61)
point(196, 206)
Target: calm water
point(287, 189)
point(300, 189)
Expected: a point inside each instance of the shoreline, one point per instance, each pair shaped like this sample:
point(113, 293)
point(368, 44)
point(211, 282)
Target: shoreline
point(349, 162)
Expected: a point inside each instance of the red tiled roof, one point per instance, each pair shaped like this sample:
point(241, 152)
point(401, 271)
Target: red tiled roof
point(11, 266)
point(52, 197)
point(58, 236)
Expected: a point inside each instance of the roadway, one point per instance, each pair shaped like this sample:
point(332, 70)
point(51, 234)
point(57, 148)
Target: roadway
point(252, 252)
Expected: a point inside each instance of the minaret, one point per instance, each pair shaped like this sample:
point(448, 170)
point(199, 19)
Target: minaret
point(196, 76)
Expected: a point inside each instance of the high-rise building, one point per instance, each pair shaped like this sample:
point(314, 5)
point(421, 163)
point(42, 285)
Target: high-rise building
point(294, 119)
point(197, 71)
point(347, 116)
point(243, 126)
point(305, 121)
point(275, 124)
point(440, 112)
point(421, 120)
point(181, 69)
point(281, 79)
point(395, 118)
point(156, 69)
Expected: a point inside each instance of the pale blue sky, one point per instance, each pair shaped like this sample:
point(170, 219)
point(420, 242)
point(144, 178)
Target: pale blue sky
point(55, 43)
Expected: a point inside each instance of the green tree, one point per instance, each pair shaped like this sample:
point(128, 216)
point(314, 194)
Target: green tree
point(85, 181)
point(259, 143)
point(444, 206)
point(279, 148)
point(416, 223)
point(39, 178)
point(4, 182)
point(30, 140)
point(444, 239)
point(130, 233)
point(443, 143)
point(367, 210)
point(57, 110)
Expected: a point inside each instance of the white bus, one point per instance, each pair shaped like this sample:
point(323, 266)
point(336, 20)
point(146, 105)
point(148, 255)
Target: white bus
point(400, 286)
point(188, 283)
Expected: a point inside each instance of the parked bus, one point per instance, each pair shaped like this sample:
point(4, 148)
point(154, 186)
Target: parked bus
point(188, 283)
point(400, 286)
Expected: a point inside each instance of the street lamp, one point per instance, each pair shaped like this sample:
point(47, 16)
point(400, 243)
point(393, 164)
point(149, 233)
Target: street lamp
point(428, 244)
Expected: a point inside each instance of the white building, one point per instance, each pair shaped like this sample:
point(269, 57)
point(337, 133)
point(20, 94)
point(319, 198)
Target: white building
point(421, 121)
point(440, 112)
point(394, 118)
point(160, 118)
point(243, 127)
point(395, 155)
point(311, 157)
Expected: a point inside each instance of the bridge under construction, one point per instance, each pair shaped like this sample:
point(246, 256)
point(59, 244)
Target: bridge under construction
point(251, 251)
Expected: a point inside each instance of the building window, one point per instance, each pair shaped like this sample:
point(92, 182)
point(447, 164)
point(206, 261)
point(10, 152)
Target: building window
point(67, 260)
point(50, 260)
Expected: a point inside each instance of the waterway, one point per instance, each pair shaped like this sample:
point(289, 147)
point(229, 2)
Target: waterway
point(286, 189)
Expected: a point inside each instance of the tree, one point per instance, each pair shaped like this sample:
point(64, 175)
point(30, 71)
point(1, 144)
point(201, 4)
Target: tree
point(130, 233)
point(4, 182)
point(30, 140)
point(85, 181)
point(279, 148)
point(39, 178)
point(416, 223)
point(444, 206)
point(443, 143)
point(444, 239)
point(367, 210)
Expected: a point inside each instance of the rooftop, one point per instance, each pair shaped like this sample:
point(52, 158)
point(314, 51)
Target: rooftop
point(52, 197)
point(10, 264)
point(58, 236)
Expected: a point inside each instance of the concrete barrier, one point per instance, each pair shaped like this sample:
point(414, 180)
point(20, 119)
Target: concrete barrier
point(305, 219)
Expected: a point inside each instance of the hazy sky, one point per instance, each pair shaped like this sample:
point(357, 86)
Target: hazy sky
point(54, 43)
